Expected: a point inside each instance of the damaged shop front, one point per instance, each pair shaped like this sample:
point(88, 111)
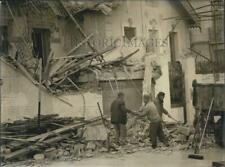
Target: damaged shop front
point(54, 77)
point(54, 57)
point(43, 56)
point(64, 62)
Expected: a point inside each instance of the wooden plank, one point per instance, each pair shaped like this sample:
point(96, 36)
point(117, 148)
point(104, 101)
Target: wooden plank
point(81, 62)
point(119, 60)
point(28, 149)
point(218, 164)
point(74, 56)
point(41, 138)
point(79, 28)
point(64, 129)
point(14, 139)
point(68, 64)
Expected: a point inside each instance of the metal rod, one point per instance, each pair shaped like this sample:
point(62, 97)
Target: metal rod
point(111, 87)
point(199, 54)
point(39, 94)
point(207, 119)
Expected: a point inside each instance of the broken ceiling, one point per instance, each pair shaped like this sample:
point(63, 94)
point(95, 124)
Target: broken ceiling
point(74, 6)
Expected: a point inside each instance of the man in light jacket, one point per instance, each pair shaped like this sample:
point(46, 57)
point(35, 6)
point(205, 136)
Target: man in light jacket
point(149, 109)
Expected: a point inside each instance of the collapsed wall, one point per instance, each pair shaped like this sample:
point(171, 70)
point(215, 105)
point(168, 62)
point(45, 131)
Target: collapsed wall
point(19, 99)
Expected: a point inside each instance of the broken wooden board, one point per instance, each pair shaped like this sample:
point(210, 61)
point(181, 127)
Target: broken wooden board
point(46, 137)
point(64, 129)
point(42, 139)
point(80, 65)
point(28, 149)
point(78, 27)
point(117, 61)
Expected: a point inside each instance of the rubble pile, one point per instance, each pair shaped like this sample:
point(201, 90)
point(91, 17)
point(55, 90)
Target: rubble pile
point(29, 125)
point(138, 130)
point(67, 138)
point(56, 138)
point(180, 136)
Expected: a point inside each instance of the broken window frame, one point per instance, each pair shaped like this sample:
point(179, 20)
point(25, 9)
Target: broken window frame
point(152, 44)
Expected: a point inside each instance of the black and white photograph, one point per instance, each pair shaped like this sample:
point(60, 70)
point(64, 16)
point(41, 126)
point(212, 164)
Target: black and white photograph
point(112, 83)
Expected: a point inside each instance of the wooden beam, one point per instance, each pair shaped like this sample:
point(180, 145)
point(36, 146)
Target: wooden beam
point(74, 56)
point(81, 62)
point(30, 148)
point(14, 139)
point(119, 60)
point(79, 27)
point(64, 129)
point(34, 147)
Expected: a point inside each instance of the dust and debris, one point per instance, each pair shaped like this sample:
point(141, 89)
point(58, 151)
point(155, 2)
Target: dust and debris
point(62, 139)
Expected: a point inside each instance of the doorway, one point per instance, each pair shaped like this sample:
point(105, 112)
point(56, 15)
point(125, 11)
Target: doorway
point(41, 44)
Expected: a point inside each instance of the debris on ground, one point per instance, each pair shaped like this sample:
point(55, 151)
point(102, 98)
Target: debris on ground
point(75, 138)
point(55, 138)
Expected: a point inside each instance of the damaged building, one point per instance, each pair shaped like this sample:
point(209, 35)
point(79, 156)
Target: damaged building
point(63, 63)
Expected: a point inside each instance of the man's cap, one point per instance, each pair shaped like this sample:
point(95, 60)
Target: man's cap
point(161, 94)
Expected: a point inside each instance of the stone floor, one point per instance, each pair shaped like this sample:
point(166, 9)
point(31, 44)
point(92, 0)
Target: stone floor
point(147, 158)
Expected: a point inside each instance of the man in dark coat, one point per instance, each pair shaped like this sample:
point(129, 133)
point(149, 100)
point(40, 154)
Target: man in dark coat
point(119, 117)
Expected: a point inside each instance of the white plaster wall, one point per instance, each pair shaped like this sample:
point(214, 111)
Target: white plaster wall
point(142, 16)
point(20, 99)
point(85, 106)
point(19, 96)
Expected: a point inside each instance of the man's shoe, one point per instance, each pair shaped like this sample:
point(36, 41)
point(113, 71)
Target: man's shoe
point(154, 147)
point(167, 144)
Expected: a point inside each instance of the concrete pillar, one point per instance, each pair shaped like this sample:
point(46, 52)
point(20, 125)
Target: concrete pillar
point(147, 75)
